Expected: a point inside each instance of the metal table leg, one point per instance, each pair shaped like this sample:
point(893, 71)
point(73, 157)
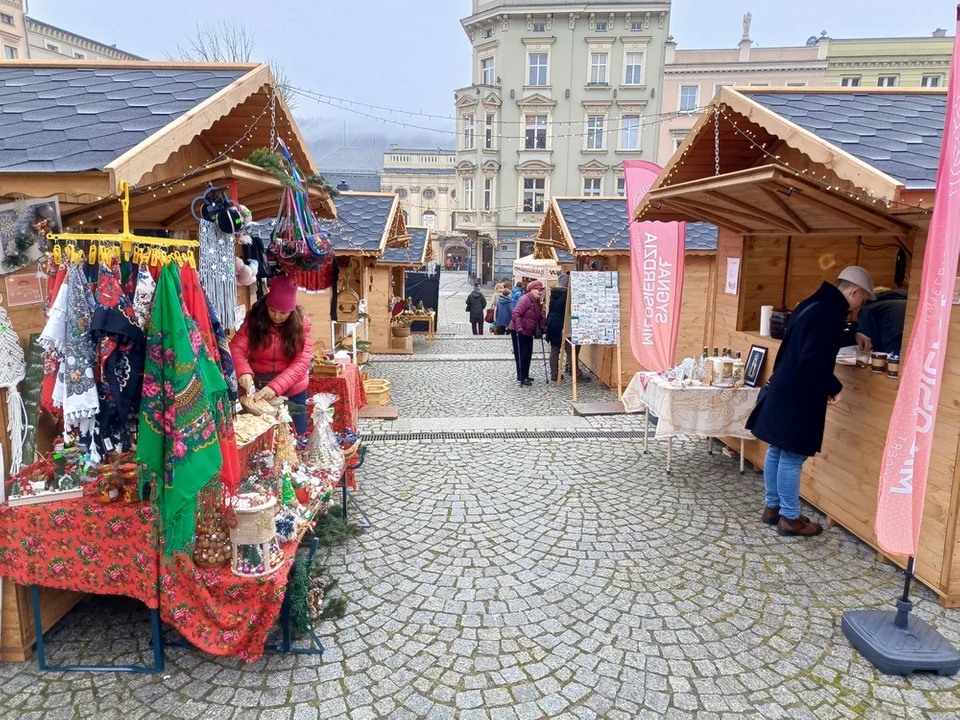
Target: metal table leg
point(669, 454)
point(156, 641)
point(646, 426)
point(741, 455)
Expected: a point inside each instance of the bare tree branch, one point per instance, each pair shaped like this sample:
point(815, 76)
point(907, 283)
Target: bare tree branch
point(282, 78)
point(217, 42)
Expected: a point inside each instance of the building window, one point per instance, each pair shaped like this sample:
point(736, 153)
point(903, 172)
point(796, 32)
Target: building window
point(598, 68)
point(630, 132)
point(488, 33)
point(468, 136)
point(538, 69)
point(486, 71)
point(487, 194)
point(677, 142)
point(717, 86)
point(468, 193)
point(689, 97)
point(539, 27)
point(10, 53)
point(850, 81)
point(621, 187)
point(402, 193)
point(534, 193)
point(6, 19)
point(930, 81)
point(536, 132)
point(53, 48)
point(887, 81)
point(488, 132)
point(430, 219)
point(796, 84)
point(591, 187)
point(79, 56)
point(429, 194)
point(634, 68)
point(601, 27)
point(595, 132)
point(636, 27)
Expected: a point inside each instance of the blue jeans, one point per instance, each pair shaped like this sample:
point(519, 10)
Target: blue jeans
point(297, 405)
point(781, 475)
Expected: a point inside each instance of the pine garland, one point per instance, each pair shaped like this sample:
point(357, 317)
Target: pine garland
point(297, 587)
point(16, 256)
point(276, 165)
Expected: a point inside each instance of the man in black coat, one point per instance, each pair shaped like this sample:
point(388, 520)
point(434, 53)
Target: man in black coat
point(792, 408)
point(476, 302)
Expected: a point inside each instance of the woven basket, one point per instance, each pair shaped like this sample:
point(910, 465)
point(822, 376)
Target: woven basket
point(378, 392)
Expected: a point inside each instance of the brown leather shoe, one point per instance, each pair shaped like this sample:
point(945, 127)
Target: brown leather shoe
point(771, 516)
point(798, 527)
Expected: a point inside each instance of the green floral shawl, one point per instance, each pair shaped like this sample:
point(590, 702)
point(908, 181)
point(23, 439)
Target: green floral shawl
point(184, 396)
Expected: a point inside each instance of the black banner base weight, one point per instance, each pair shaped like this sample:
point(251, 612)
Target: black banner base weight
point(900, 648)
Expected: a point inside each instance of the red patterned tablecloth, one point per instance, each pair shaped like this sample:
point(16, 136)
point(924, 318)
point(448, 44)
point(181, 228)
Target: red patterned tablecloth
point(219, 612)
point(81, 545)
point(351, 396)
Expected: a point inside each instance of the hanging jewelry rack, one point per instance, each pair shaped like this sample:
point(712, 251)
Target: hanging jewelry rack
point(150, 248)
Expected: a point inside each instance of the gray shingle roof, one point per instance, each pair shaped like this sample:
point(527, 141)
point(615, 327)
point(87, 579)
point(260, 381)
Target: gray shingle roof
point(700, 236)
point(898, 134)
point(357, 182)
point(361, 220)
point(72, 119)
point(353, 160)
point(407, 256)
point(596, 223)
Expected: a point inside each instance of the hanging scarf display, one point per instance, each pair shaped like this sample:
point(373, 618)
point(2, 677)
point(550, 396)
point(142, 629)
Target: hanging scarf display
point(13, 367)
point(198, 310)
point(67, 333)
point(184, 398)
point(217, 272)
point(121, 358)
point(143, 295)
point(51, 363)
point(226, 359)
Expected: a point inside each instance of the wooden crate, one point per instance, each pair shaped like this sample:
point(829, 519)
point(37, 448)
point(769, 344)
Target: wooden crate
point(378, 392)
point(325, 369)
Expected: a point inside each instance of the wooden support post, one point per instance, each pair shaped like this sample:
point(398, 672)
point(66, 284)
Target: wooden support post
point(619, 374)
point(573, 365)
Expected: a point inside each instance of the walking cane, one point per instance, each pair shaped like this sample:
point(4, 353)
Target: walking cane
point(543, 350)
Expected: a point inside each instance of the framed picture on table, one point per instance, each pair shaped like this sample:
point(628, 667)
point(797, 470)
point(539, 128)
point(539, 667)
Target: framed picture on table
point(755, 359)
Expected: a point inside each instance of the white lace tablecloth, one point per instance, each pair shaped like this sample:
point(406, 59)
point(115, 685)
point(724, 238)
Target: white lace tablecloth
point(699, 411)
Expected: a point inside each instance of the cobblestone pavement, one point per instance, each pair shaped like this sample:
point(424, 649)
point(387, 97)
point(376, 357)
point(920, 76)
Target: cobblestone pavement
point(529, 578)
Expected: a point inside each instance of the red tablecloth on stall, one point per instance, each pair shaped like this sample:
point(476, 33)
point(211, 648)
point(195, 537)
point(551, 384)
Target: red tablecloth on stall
point(219, 612)
point(351, 396)
point(81, 545)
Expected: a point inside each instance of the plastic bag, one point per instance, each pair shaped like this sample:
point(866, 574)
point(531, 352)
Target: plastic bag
point(323, 449)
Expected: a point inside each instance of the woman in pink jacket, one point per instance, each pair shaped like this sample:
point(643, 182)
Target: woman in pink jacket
point(273, 350)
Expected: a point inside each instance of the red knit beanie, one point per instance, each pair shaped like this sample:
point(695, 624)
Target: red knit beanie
point(283, 294)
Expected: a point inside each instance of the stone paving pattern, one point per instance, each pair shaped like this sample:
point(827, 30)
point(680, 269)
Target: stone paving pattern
point(535, 578)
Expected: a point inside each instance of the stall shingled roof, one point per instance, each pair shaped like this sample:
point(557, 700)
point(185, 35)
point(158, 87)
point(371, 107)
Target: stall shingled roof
point(414, 255)
point(77, 128)
point(589, 225)
point(367, 223)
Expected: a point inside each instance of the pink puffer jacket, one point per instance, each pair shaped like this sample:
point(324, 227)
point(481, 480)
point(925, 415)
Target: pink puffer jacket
point(294, 372)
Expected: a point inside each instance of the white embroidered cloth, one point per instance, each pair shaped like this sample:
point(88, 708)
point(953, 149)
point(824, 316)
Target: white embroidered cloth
point(698, 411)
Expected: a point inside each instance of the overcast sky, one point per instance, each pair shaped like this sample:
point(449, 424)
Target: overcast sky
point(412, 54)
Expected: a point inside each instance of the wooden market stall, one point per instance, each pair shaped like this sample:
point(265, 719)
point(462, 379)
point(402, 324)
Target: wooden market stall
point(397, 260)
point(594, 231)
point(808, 183)
point(366, 225)
point(72, 131)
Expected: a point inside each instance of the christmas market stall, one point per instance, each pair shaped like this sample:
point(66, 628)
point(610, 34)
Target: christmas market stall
point(126, 248)
point(807, 183)
point(399, 260)
point(595, 232)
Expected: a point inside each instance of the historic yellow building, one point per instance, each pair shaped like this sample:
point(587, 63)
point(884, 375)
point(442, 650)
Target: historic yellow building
point(890, 62)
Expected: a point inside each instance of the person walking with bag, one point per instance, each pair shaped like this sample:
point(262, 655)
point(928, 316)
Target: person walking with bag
point(503, 311)
point(527, 322)
point(476, 302)
point(791, 409)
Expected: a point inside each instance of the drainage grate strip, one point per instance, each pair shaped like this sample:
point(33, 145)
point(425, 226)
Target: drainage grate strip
point(508, 435)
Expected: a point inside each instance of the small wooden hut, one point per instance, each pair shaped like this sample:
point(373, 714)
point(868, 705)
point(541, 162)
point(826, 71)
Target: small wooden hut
point(811, 181)
point(398, 260)
point(593, 233)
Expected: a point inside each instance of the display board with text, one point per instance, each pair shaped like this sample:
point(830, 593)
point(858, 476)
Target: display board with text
point(595, 308)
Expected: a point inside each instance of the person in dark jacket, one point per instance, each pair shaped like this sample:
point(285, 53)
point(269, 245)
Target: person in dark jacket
point(527, 318)
point(556, 316)
point(515, 295)
point(504, 312)
point(791, 412)
point(476, 302)
point(880, 323)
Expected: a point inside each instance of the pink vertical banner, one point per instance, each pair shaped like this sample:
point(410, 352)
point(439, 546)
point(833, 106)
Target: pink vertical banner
point(906, 459)
point(656, 277)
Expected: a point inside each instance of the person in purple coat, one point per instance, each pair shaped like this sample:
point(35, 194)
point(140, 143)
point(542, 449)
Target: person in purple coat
point(527, 320)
